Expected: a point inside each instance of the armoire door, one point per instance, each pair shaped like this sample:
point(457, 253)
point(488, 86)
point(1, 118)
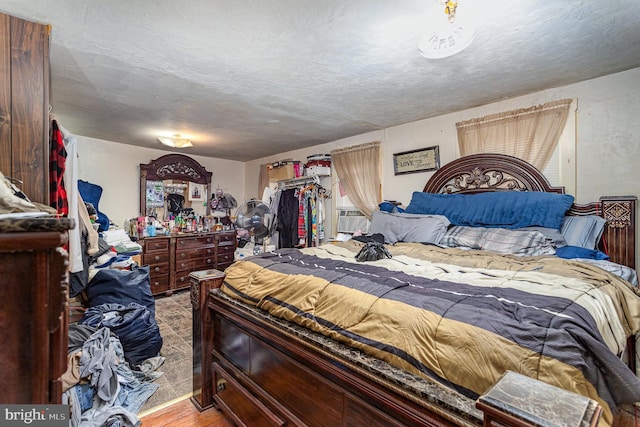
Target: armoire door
point(24, 105)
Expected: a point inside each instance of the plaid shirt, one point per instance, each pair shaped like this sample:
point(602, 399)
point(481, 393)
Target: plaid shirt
point(57, 158)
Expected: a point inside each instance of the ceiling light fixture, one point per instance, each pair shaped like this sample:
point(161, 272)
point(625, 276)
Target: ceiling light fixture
point(175, 141)
point(448, 37)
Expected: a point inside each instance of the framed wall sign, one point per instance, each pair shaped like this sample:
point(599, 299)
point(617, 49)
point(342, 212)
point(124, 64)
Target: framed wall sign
point(421, 160)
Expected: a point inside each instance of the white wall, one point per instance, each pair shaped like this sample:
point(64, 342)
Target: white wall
point(116, 168)
point(606, 147)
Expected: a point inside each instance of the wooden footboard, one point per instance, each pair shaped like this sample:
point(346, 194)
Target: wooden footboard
point(259, 374)
point(262, 375)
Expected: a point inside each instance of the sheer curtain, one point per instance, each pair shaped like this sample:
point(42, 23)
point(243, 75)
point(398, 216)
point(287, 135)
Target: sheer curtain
point(263, 180)
point(358, 170)
point(530, 134)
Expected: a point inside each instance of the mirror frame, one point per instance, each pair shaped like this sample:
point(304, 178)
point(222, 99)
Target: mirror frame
point(173, 166)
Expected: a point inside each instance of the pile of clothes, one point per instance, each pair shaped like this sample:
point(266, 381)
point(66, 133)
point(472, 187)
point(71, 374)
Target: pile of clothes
point(114, 350)
point(100, 385)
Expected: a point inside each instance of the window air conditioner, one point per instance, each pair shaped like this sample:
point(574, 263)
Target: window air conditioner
point(352, 220)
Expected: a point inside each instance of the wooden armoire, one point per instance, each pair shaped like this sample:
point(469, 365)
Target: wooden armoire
point(33, 263)
point(24, 105)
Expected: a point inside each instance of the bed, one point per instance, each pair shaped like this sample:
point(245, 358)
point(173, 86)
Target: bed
point(314, 337)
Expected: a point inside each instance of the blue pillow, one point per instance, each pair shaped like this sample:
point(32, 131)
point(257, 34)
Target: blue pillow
point(504, 209)
point(570, 252)
point(390, 207)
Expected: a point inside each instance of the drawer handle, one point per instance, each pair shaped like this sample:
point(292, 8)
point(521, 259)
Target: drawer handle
point(183, 264)
point(209, 261)
point(209, 240)
point(157, 269)
point(182, 279)
point(221, 385)
point(209, 251)
point(157, 258)
point(156, 283)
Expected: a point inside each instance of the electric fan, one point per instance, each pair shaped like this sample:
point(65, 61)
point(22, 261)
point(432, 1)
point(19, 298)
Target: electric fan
point(253, 222)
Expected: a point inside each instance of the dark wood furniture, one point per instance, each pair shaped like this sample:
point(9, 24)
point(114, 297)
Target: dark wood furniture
point(172, 258)
point(259, 372)
point(172, 167)
point(520, 401)
point(202, 282)
point(24, 105)
point(33, 315)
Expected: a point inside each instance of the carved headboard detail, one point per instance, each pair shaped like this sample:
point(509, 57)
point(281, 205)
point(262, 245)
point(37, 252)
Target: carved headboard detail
point(498, 172)
point(488, 172)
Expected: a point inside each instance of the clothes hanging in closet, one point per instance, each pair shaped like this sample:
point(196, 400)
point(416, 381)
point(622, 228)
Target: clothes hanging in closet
point(299, 214)
point(288, 213)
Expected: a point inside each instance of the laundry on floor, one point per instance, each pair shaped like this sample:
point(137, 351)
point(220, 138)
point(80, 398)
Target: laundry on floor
point(114, 342)
point(100, 385)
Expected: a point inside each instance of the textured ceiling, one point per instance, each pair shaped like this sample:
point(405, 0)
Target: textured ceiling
point(248, 79)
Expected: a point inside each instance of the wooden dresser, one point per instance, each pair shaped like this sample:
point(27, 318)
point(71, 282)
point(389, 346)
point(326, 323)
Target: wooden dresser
point(173, 258)
point(33, 314)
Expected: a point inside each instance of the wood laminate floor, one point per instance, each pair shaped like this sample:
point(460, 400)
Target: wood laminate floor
point(184, 414)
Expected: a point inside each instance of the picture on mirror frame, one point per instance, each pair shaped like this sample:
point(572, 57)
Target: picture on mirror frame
point(155, 194)
point(196, 192)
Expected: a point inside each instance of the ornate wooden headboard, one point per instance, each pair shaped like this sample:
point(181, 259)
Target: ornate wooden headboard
point(497, 172)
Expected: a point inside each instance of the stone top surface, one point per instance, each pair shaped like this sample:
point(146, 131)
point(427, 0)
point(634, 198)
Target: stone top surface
point(35, 224)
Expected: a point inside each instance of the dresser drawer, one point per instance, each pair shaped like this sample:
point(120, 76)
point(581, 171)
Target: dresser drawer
point(155, 245)
point(187, 254)
point(158, 269)
point(195, 242)
point(203, 263)
point(182, 279)
point(159, 283)
point(155, 258)
point(225, 257)
point(196, 264)
point(225, 239)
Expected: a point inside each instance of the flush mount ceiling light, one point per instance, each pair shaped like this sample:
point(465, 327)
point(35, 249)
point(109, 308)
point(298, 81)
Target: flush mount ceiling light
point(449, 36)
point(175, 141)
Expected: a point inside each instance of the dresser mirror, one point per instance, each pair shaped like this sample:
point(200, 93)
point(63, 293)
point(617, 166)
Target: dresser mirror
point(173, 183)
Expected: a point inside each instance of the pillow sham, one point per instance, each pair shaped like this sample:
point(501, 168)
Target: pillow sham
point(500, 209)
point(583, 231)
point(500, 240)
point(403, 227)
point(551, 233)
